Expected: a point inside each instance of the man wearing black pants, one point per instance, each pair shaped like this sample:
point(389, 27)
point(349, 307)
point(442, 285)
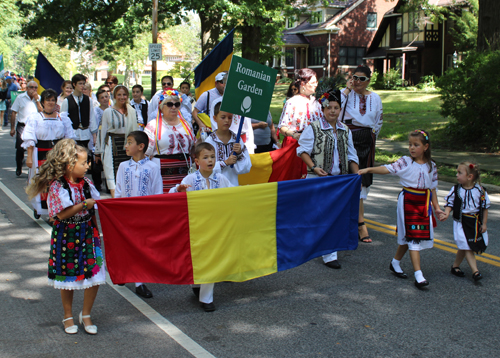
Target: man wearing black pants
point(25, 105)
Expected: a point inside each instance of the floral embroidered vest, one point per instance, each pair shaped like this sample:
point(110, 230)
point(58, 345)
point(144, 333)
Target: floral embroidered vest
point(324, 145)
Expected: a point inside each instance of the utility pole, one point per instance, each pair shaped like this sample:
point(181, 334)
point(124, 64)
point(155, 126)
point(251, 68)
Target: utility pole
point(155, 40)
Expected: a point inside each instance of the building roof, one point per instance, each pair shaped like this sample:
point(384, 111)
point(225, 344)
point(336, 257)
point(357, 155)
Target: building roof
point(294, 39)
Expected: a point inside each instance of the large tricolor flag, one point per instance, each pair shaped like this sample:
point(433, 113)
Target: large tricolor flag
point(46, 75)
point(230, 234)
point(218, 60)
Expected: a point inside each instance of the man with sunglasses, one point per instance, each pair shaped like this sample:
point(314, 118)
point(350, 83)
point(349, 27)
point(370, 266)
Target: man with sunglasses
point(25, 105)
point(208, 97)
point(185, 106)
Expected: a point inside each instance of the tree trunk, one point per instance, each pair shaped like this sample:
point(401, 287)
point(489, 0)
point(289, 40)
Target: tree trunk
point(488, 32)
point(126, 78)
point(250, 42)
point(210, 31)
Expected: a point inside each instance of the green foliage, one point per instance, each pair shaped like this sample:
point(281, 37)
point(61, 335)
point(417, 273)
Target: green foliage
point(427, 83)
point(285, 80)
point(465, 30)
point(377, 80)
point(469, 94)
point(183, 69)
point(326, 83)
point(392, 79)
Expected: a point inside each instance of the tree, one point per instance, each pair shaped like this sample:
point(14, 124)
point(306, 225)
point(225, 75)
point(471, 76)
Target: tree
point(465, 30)
point(488, 36)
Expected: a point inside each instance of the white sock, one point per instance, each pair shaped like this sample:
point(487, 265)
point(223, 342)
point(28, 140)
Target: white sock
point(137, 284)
point(395, 265)
point(419, 276)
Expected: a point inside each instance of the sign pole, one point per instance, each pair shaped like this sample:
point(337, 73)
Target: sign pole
point(238, 135)
point(155, 40)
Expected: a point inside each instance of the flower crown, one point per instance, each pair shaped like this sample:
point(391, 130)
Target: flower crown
point(426, 136)
point(168, 93)
point(326, 98)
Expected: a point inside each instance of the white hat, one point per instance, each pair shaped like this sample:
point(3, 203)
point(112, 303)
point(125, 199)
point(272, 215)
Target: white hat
point(220, 76)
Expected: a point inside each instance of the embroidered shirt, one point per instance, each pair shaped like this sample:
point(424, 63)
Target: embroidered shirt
point(140, 178)
point(365, 111)
point(40, 128)
point(198, 182)
point(173, 139)
point(471, 199)
point(299, 111)
point(59, 199)
point(414, 175)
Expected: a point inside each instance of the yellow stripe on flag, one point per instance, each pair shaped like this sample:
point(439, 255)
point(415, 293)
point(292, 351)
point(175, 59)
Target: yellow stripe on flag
point(262, 167)
point(40, 88)
point(245, 247)
point(209, 82)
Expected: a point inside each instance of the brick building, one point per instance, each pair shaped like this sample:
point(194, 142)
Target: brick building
point(332, 39)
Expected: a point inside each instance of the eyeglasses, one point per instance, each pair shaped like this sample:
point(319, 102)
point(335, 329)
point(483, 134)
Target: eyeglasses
point(166, 84)
point(171, 104)
point(360, 78)
point(33, 87)
point(109, 83)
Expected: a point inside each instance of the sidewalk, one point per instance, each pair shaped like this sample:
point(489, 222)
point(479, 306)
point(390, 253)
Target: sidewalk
point(489, 162)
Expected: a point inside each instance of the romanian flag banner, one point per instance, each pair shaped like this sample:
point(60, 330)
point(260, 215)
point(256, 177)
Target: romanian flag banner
point(277, 165)
point(218, 60)
point(46, 75)
point(230, 234)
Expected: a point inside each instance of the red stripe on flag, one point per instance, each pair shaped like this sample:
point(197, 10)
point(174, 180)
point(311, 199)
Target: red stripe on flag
point(146, 243)
point(286, 164)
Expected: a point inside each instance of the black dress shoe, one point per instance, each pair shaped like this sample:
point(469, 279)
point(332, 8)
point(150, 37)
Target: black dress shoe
point(397, 274)
point(208, 307)
point(421, 284)
point(19, 172)
point(196, 291)
point(143, 291)
point(333, 264)
point(477, 276)
point(457, 272)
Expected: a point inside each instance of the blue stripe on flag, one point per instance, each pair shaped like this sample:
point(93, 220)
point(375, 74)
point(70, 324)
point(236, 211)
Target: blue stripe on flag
point(47, 75)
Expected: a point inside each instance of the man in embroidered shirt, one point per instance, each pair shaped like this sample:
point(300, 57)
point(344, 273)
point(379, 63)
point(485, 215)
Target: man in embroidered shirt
point(25, 105)
point(204, 103)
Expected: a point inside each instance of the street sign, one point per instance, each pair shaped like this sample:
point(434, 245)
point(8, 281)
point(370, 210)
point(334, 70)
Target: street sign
point(249, 89)
point(155, 52)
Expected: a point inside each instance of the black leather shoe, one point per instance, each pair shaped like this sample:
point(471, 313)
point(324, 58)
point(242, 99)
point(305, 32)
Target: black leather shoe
point(477, 276)
point(196, 291)
point(457, 272)
point(143, 291)
point(19, 172)
point(208, 307)
point(333, 264)
point(421, 284)
point(397, 274)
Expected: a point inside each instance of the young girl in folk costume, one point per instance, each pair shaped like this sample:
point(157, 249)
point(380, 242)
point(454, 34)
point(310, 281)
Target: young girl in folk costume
point(418, 175)
point(469, 203)
point(42, 131)
point(75, 260)
point(326, 148)
point(117, 122)
point(171, 139)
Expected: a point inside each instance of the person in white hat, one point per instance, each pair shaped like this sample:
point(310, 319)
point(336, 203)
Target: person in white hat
point(206, 99)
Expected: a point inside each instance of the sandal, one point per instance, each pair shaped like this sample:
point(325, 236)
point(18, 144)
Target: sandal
point(477, 276)
point(457, 272)
point(365, 239)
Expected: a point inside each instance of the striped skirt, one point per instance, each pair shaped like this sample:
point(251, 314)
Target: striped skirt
point(173, 169)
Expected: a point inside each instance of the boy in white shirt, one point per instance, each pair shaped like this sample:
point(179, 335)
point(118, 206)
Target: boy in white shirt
point(204, 178)
point(138, 177)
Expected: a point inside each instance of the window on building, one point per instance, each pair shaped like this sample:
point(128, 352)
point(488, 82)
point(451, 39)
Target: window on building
point(290, 22)
point(399, 28)
point(316, 16)
point(289, 57)
point(371, 20)
point(316, 56)
point(351, 56)
point(413, 20)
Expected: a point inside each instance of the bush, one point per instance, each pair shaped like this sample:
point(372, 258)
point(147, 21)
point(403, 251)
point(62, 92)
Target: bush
point(285, 80)
point(469, 94)
point(427, 83)
point(392, 79)
point(377, 80)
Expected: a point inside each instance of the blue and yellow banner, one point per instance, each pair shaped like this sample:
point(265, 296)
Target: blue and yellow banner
point(230, 234)
point(46, 75)
point(218, 60)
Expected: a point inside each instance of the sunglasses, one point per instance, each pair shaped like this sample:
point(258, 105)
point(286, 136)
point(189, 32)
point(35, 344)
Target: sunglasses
point(172, 104)
point(360, 78)
point(109, 83)
point(33, 87)
point(166, 84)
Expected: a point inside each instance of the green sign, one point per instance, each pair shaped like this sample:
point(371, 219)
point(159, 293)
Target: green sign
point(249, 89)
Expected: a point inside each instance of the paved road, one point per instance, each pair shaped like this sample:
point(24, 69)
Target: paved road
point(310, 311)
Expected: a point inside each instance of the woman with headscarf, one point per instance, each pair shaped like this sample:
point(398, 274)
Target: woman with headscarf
point(171, 139)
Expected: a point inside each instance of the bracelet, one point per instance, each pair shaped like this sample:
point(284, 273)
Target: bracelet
point(313, 167)
point(84, 205)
